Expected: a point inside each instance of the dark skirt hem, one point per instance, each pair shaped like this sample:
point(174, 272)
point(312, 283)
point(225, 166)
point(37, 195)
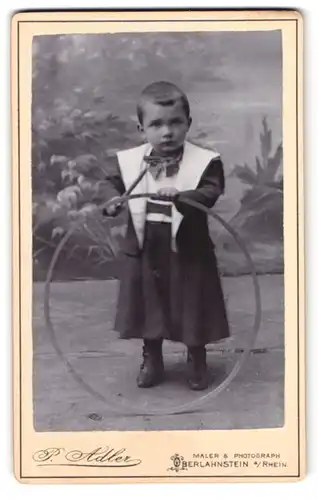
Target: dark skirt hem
point(200, 342)
point(172, 295)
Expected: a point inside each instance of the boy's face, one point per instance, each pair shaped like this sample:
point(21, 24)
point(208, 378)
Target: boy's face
point(165, 127)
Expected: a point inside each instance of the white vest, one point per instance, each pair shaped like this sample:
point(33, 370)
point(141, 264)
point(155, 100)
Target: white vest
point(193, 164)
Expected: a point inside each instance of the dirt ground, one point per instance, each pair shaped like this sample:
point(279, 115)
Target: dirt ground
point(106, 396)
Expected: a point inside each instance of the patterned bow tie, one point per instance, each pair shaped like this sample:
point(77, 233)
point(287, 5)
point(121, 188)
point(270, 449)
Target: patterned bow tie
point(163, 164)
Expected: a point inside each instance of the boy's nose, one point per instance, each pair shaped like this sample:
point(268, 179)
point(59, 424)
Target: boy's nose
point(166, 132)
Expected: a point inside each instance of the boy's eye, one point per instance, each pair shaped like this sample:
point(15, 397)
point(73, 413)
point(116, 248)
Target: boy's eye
point(155, 123)
point(176, 121)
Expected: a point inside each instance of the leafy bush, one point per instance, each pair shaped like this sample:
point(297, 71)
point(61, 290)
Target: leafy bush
point(259, 220)
point(261, 211)
point(73, 151)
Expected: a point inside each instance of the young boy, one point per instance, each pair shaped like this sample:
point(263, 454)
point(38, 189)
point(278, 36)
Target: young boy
point(170, 287)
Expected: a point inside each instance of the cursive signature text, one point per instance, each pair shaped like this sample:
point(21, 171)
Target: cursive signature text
point(99, 457)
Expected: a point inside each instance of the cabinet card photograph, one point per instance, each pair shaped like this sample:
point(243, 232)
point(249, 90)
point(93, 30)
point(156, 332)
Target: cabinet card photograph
point(158, 261)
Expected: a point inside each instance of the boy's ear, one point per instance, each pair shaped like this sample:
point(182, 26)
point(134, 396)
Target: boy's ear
point(189, 121)
point(140, 128)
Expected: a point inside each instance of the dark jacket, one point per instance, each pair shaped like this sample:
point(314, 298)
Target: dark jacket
point(193, 232)
point(173, 295)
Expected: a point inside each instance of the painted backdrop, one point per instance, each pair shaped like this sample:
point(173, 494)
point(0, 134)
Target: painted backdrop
point(85, 89)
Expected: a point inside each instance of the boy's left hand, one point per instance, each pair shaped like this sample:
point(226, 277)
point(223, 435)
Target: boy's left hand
point(167, 193)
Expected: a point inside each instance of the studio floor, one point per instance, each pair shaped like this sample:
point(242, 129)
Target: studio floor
point(97, 390)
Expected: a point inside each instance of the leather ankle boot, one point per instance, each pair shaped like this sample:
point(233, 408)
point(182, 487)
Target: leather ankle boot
point(152, 369)
point(197, 368)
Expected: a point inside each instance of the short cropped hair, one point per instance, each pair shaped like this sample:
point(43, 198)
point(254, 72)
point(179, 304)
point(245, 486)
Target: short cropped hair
point(163, 93)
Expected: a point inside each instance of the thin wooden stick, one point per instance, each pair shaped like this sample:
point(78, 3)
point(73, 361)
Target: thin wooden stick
point(136, 181)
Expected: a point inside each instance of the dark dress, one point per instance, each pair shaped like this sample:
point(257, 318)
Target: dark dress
point(167, 294)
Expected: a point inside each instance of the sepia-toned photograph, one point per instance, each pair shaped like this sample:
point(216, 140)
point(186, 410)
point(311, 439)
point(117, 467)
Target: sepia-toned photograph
point(159, 245)
point(210, 104)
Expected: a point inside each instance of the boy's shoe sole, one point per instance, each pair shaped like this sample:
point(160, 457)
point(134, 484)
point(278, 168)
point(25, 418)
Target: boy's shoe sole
point(145, 381)
point(200, 385)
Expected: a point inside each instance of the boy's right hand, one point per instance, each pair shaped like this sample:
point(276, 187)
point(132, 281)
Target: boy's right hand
point(114, 208)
